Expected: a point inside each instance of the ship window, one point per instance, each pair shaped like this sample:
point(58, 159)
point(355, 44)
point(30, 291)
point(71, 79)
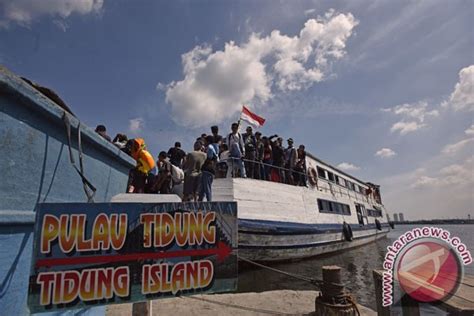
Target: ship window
point(347, 209)
point(342, 182)
point(333, 207)
point(331, 176)
point(350, 185)
point(321, 173)
point(324, 206)
point(356, 188)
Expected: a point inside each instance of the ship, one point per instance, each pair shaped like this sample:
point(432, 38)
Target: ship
point(278, 221)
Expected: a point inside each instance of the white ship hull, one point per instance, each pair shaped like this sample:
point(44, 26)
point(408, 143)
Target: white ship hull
point(283, 222)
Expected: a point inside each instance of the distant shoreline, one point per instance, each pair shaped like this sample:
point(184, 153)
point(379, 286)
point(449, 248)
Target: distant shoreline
point(438, 222)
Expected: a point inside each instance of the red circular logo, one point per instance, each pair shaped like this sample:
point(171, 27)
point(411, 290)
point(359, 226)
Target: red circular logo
point(429, 271)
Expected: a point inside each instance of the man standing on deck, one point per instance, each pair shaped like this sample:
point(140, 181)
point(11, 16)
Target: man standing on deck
point(215, 134)
point(278, 159)
point(291, 157)
point(163, 181)
point(259, 172)
point(237, 151)
point(250, 152)
point(192, 172)
point(176, 155)
point(208, 170)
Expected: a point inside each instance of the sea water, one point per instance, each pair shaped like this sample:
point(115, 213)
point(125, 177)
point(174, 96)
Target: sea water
point(357, 265)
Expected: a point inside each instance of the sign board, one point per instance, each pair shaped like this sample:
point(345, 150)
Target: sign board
point(110, 253)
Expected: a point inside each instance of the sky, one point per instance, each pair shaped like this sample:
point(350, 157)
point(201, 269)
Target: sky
point(382, 89)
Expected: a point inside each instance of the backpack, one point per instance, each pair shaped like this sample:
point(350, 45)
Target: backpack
point(177, 174)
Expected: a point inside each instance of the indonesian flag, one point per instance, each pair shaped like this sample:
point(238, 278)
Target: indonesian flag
point(251, 118)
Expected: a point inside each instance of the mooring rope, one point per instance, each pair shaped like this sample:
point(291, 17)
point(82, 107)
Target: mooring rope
point(313, 281)
point(344, 298)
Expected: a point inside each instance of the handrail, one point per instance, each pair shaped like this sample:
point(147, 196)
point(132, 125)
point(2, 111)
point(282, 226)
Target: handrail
point(265, 164)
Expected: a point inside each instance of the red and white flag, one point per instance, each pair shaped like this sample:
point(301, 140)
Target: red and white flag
point(251, 118)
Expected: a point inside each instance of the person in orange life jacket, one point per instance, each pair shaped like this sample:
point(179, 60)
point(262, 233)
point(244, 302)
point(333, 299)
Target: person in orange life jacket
point(237, 151)
point(290, 161)
point(208, 170)
point(163, 180)
point(137, 178)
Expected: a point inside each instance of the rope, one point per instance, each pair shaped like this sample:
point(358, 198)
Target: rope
point(89, 188)
point(250, 309)
point(315, 282)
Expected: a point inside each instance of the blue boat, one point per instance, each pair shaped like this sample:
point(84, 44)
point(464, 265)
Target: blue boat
point(46, 155)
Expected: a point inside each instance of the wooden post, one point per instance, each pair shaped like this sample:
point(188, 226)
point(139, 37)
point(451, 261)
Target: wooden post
point(381, 310)
point(142, 309)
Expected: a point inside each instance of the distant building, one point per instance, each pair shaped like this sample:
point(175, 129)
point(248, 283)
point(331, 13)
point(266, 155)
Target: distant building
point(401, 217)
point(388, 217)
point(395, 217)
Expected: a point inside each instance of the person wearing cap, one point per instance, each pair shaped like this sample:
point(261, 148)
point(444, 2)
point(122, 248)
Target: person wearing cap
point(250, 152)
point(291, 156)
point(102, 131)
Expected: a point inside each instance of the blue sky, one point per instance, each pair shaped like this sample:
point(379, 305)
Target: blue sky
point(384, 88)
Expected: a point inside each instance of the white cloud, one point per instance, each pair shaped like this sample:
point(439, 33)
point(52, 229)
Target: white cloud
point(135, 125)
point(24, 12)
point(309, 11)
point(406, 127)
point(413, 114)
point(385, 153)
point(217, 83)
point(346, 166)
point(452, 149)
point(470, 130)
point(462, 97)
point(451, 175)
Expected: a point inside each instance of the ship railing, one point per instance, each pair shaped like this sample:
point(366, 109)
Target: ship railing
point(237, 167)
point(262, 171)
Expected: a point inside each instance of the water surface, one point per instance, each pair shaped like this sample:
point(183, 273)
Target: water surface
point(357, 265)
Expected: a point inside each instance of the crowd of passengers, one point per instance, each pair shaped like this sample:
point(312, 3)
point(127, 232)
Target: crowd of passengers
point(245, 155)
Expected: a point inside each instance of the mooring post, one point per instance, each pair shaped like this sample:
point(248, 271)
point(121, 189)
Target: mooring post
point(332, 284)
point(333, 299)
point(142, 309)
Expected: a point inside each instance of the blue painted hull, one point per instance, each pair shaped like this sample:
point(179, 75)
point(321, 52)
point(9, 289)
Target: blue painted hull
point(262, 240)
point(35, 167)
